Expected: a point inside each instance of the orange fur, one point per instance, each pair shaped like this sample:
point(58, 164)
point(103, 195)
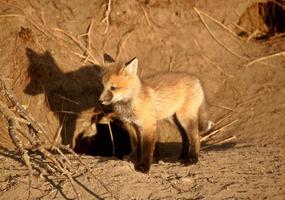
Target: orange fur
point(142, 103)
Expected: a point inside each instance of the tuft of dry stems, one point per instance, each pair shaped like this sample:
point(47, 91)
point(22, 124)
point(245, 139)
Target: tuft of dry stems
point(218, 127)
point(25, 122)
point(221, 142)
point(107, 16)
point(213, 132)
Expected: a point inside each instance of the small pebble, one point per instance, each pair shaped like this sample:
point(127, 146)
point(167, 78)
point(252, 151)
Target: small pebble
point(186, 180)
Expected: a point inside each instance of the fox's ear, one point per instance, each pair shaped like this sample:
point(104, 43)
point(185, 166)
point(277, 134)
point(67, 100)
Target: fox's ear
point(132, 67)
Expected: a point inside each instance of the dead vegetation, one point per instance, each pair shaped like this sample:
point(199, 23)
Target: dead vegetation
point(22, 123)
point(24, 130)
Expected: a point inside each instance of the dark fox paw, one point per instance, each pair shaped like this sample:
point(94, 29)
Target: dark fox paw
point(183, 155)
point(129, 158)
point(191, 160)
point(142, 167)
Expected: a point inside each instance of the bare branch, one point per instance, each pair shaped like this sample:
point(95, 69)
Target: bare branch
point(10, 117)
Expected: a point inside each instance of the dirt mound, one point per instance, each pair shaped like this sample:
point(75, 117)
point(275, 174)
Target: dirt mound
point(51, 56)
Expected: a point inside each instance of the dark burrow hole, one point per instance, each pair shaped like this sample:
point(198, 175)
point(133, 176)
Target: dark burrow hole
point(263, 20)
point(100, 144)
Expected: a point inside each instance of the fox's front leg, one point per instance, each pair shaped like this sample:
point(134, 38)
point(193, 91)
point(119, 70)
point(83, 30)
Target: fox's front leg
point(146, 145)
point(132, 131)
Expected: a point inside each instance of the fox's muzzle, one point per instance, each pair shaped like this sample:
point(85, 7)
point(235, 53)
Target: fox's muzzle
point(106, 98)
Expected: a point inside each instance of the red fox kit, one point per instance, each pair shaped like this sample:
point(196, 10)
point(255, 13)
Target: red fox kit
point(141, 103)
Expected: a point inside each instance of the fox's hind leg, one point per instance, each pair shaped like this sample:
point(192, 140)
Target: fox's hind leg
point(189, 122)
point(184, 136)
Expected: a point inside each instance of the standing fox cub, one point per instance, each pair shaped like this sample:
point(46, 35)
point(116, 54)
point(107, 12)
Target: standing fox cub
point(141, 103)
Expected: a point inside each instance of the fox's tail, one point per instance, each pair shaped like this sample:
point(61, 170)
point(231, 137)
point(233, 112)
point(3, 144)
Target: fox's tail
point(204, 122)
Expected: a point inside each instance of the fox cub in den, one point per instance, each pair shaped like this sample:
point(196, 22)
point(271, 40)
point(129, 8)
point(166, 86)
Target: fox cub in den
point(139, 104)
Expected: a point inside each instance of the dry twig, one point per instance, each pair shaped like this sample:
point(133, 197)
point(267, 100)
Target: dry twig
point(112, 138)
point(12, 15)
point(282, 53)
point(88, 169)
point(35, 128)
point(107, 121)
point(89, 40)
point(92, 59)
point(57, 135)
point(146, 15)
point(220, 142)
point(216, 39)
point(224, 107)
point(122, 42)
point(10, 117)
point(217, 22)
point(107, 16)
point(211, 133)
point(35, 142)
point(20, 109)
point(223, 119)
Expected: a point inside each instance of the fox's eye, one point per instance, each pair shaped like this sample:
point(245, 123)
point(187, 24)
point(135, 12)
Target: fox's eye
point(113, 88)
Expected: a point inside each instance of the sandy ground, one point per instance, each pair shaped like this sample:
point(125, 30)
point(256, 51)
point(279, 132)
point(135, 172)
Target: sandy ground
point(44, 57)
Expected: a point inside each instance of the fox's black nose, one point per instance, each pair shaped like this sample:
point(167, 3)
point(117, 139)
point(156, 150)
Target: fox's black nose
point(101, 99)
point(106, 98)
